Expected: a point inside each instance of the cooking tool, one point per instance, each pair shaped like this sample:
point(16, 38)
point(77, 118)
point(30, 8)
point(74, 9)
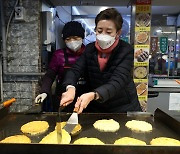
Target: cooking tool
point(178, 81)
point(58, 125)
point(72, 121)
point(7, 103)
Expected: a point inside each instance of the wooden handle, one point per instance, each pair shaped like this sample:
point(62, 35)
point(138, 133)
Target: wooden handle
point(9, 102)
point(177, 81)
point(76, 109)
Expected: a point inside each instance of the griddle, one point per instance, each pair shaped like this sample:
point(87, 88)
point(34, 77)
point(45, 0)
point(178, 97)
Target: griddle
point(162, 127)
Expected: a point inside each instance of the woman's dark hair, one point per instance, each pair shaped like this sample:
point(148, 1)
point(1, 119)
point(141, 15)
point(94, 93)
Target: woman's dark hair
point(110, 14)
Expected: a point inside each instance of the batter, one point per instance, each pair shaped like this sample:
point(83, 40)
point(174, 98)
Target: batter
point(105, 125)
point(90, 141)
point(16, 139)
point(35, 127)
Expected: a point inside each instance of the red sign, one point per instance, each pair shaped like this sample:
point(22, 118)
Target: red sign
point(154, 44)
point(143, 2)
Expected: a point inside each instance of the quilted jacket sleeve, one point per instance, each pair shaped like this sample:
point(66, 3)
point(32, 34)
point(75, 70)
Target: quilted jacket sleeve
point(120, 76)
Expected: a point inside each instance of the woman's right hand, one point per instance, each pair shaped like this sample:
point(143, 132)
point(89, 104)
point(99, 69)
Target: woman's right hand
point(67, 97)
point(40, 97)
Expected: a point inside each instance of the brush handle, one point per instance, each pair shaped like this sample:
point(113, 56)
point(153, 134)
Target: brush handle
point(177, 81)
point(9, 102)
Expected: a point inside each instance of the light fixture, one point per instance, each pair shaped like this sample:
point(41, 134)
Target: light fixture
point(159, 31)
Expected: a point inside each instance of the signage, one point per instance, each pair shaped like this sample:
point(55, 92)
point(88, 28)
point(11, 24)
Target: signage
point(141, 49)
point(163, 44)
point(154, 44)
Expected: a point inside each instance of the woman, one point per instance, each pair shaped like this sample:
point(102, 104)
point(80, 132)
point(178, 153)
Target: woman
point(108, 65)
point(62, 59)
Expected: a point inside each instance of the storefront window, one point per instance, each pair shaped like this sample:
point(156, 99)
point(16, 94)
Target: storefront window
point(163, 59)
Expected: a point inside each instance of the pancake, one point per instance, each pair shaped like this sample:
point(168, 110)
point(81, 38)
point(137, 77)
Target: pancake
point(139, 126)
point(142, 37)
point(105, 125)
point(51, 138)
point(129, 141)
point(89, 141)
point(16, 139)
point(35, 127)
point(140, 72)
point(165, 141)
point(75, 131)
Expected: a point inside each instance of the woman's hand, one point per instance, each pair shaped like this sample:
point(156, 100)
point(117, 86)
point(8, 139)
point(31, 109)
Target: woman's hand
point(83, 101)
point(67, 97)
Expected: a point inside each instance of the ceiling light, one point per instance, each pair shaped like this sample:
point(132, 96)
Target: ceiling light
point(159, 31)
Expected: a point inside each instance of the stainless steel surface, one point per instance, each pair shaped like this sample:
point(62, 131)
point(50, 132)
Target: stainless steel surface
point(58, 126)
point(167, 120)
point(164, 89)
point(59, 132)
point(69, 127)
point(72, 122)
point(161, 102)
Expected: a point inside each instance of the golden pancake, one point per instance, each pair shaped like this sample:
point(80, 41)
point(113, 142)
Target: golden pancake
point(141, 37)
point(16, 139)
point(105, 125)
point(76, 129)
point(51, 138)
point(165, 141)
point(129, 141)
point(90, 141)
point(140, 72)
point(35, 127)
point(139, 126)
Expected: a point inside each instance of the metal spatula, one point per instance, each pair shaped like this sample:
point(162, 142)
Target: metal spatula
point(58, 126)
point(72, 121)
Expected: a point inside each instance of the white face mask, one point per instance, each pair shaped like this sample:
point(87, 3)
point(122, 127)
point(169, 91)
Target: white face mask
point(74, 45)
point(105, 41)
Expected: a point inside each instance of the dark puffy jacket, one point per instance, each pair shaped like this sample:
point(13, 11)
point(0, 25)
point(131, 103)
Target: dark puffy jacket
point(114, 84)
